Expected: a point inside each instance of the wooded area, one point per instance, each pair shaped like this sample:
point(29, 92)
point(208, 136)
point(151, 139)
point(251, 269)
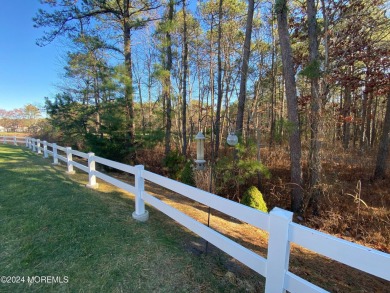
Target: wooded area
point(307, 77)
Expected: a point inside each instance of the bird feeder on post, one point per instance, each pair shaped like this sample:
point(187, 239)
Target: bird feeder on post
point(200, 161)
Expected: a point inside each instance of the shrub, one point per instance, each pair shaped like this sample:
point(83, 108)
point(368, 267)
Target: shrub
point(235, 171)
point(253, 198)
point(187, 175)
point(174, 162)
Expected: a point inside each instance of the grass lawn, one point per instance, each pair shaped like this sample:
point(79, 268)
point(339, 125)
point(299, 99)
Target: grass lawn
point(51, 225)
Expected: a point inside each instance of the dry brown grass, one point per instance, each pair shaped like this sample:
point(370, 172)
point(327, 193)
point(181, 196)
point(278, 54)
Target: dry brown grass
point(352, 207)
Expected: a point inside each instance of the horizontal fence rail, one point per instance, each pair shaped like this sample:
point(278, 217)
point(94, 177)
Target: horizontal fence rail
point(61, 148)
point(80, 166)
point(115, 182)
point(356, 256)
point(115, 165)
point(80, 154)
point(231, 208)
point(293, 283)
point(16, 140)
point(278, 223)
point(62, 158)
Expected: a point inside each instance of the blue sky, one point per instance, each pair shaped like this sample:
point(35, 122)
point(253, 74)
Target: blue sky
point(28, 73)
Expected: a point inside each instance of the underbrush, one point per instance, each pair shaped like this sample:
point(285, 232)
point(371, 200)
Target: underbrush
point(352, 206)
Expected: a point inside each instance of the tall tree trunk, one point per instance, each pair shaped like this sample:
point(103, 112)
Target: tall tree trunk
point(244, 68)
point(142, 106)
point(339, 120)
point(273, 86)
point(97, 105)
point(369, 117)
point(325, 83)
point(281, 110)
point(185, 69)
point(167, 85)
point(335, 123)
point(346, 116)
point(383, 151)
point(373, 131)
point(212, 93)
point(366, 111)
point(149, 65)
point(220, 93)
point(201, 90)
point(355, 131)
point(227, 81)
point(315, 110)
point(363, 135)
point(129, 102)
point(292, 106)
point(258, 94)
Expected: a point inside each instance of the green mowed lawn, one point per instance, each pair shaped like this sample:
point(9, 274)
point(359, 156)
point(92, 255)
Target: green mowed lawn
point(87, 241)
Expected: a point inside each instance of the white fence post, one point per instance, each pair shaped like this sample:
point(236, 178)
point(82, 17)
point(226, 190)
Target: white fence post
point(278, 250)
point(39, 146)
point(26, 139)
point(91, 169)
point(4, 140)
point(45, 155)
point(33, 144)
point(140, 214)
point(15, 143)
point(55, 155)
point(29, 143)
point(69, 160)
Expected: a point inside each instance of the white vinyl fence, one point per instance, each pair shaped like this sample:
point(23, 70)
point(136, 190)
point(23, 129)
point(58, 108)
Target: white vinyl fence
point(278, 223)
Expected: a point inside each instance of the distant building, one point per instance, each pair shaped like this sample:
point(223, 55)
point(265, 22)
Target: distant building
point(2, 129)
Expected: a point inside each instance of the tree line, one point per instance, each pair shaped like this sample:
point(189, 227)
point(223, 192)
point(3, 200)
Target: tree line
point(26, 119)
point(303, 73)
